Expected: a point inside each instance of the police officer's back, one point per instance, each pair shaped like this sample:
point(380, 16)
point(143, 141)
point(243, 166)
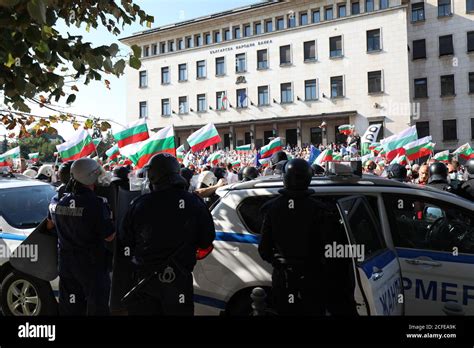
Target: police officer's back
point(163, 229)
point(64, 175)
point(84, 223)
point(468, 186)
point(292, 242)
point(438, 176)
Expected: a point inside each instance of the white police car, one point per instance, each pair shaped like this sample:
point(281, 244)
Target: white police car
point(23, 206)
point(419, 247)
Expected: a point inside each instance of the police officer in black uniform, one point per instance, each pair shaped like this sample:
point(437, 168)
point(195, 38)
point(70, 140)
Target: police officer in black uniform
point(84, 223)
point(164, 229)
point(292, 241)
point(64, 174)
point(468, 186)
point(438, 176)
point(249, 173)
point(397, 172)
point(278, 161)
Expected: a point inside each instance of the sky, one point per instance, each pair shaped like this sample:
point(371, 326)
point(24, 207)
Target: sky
point(95, 99)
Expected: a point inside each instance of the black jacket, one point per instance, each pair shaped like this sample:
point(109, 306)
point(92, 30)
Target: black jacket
point(468, 189)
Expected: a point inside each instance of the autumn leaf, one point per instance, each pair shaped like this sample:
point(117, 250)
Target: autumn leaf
point(74, 88)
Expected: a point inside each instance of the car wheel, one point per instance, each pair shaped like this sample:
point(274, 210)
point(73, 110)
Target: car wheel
point(24, 295)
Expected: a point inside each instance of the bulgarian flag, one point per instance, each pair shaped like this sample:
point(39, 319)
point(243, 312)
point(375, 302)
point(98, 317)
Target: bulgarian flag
point(393, 145)
point(324, 156)
point(78, 146)
point(113, 153)
point(442, 156)
point(244, 148)
point(204, 137)
point(96, 141)
point(346, 129)
point(12, 153)
point(419, 148)
point(374, 147)
point(369, 138)
point(400, 159)
point(272, 147)
point(34, 156)
point(135, 132)
point(236, 164)
point(464, 151)
point(180, 153)
point(140, 153)
point(214, 158)
point(264, 161)
point(337, 157)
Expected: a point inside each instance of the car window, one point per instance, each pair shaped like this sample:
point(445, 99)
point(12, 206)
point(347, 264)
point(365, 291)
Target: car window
point(25, 207)
point(421, 223)
point(249, 212)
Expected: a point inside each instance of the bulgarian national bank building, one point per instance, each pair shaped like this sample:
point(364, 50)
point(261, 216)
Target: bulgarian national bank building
point(277, 69)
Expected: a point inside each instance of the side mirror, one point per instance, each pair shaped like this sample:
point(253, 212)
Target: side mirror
point(432, 214)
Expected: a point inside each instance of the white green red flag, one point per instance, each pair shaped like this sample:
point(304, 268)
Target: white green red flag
point(96, 141)
point(112, 153)
point(140, 153)
point(369, 138)
point(134, 133)
point(78, 146)
point(272, 147)
point(236, 164)
point(419, 148)
point(214, 158)
point(34, 156)
point(400, 159)
point(180, 153)
point(393, 145)
point(324, 156)
point(442, 156)
point(243, 148)
point(337, 157)
point(346, 129)
point(204, 137)
point(264, 161)
point(464, 151)
point(12, 153)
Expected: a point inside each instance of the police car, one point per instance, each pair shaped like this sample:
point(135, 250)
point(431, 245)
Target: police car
point(418, 246)
point(23, 206)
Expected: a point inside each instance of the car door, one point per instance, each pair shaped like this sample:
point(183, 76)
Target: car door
point(378, 289)
point(434, 241)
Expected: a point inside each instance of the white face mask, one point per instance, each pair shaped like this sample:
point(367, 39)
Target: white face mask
point(453, 176)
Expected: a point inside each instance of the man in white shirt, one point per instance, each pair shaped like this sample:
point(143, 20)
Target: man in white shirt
point(231, 177)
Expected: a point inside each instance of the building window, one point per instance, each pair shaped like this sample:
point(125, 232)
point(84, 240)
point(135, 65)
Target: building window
point(286, 93)
point(165, 107)
point(316, 16)
point(162, 47)
point(146, 51)
point(220, 66)
point(421, 88)
point(384, 4)
point(310, 90)
point(337, 86)
point(291, 22)
point(309, 51)
point(446, 45)
point(236, 32)
point(341, 11)
point(418, 12)
point(373, 40)
point(257, 28)
point(171, 46)
point(143, 81)
point(183, 105)
point(240, 63)
point(369, 5)
point(471, 82)
point(280, 23)
point(470, 41)
point(268, 26)
point(303, 18)
point(189, 42)
point(198, 40)
point(469, 6)
point(201, 69)
point(262, 59)
point(285, 55)
point(263, 97)
point(374, 79)
point(316, 136)
point(328, 15)
point(242, 99)
point(355, 8)
point(221, 101)
point(447, 86)
point(201, 103)
point(181, 44)
point(449, 130)
point(165, 75)
point(444, 8)
point(217, 36)
point(227, 35)
point(335, 46)
point(143, 112)
point(208, 38)
point(182, 72)
point(423, 129)
point(419, 49)
point(247, 30)
point(154, 49)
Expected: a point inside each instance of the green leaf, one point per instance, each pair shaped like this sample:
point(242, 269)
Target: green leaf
point(71, 99)
point(108, 65)
point(113, 49)
point(37, 10)
point(9, 3)
point(137, 50)
point(89, 123)
point(10, 61)
point(42, 47)
point(77, 63)
point(135, 62)
point(119, 67)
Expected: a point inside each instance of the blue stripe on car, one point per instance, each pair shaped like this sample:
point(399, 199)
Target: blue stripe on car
point(435, 255)
point(237, 237)
point(379, 261)
point(209, 301)
point(11, 236)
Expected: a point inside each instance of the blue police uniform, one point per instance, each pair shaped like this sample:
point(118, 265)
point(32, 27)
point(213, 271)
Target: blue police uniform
point(83, 220)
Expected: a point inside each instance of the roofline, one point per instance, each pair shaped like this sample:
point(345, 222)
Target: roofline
point(200, 19)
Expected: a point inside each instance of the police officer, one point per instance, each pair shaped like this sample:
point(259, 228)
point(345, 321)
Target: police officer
point(249, 173)
point(438, 176)
point(468, 186)
point(397, 172)
point(292, 243)
point(64, 174)
point(164, 229)
point(83, 222)
point(278, 162)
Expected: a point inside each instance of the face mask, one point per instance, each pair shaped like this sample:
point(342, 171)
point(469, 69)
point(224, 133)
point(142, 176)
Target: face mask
point(452, 176)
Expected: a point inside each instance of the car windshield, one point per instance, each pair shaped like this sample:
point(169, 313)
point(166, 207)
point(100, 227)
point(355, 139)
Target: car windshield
point(25, 207)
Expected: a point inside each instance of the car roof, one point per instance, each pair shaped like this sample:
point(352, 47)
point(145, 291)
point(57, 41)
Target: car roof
point(18, 180)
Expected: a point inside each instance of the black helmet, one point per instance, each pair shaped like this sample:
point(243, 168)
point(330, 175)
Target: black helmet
point(249, 173)
point(298, 174)
point(397, 172)
point(164, 169)
point(240, 174)
point(470, 168)
point(218, 172)
point(120, 173)
point(317, 169)
point(280, 167)
point(438, 172)
point(64, 172)
point(187, 174)
point(278, 157)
